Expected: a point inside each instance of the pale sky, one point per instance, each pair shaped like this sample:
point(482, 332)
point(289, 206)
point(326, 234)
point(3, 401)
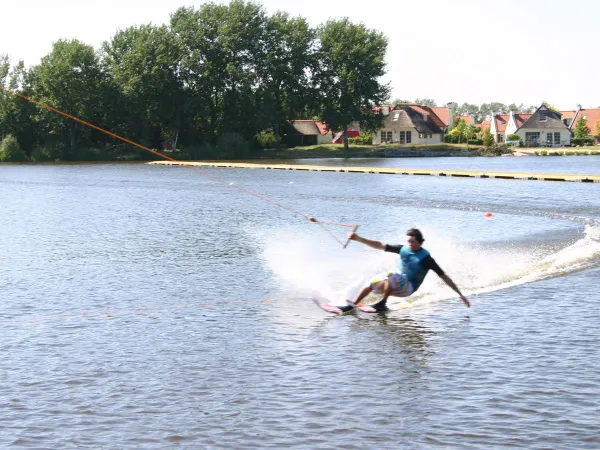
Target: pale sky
point(475, 51)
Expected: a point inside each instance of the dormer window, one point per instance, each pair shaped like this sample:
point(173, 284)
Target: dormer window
point(542, 117)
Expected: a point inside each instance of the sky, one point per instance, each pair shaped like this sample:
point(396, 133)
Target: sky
point(465, 51)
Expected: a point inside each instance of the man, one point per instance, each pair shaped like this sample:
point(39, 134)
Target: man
point(415, 262)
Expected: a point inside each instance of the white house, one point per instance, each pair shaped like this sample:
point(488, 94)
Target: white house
point(592, 117)
point(544, 127)
point(410, 124)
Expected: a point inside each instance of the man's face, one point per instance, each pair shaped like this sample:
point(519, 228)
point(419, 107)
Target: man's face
point(413, 244)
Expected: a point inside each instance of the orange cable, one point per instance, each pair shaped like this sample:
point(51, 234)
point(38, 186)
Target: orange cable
point(169, 158)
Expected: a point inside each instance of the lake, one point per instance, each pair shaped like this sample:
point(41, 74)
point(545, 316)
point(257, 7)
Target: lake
point(153, 307)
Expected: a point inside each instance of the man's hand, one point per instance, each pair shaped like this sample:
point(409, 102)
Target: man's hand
point(352, 236)
point(465, 301)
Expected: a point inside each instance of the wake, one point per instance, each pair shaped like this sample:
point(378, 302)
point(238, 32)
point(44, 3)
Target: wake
point(308, 268)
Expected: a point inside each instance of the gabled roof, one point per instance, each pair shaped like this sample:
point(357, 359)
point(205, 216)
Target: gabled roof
point(468, 119)
point(422, 118)
point(592, 116)
point(568, 114)
point(443, 112)
point(484, 125)
point(544, 118)
point(306, 127)
point(521, 119)
point(501, 121)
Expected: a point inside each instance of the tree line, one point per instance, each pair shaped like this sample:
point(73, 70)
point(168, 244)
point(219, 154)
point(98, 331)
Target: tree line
point(216, 81)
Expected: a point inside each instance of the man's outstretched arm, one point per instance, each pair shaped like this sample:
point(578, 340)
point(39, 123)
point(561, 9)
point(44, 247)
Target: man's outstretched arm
point(377, 245)
point(450, 283)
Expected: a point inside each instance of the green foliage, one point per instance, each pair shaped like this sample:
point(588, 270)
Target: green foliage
point(425, 101)
point(363, 139)
point(266, 139)
point(352, 60)
point(232, 145)
point(597, 128)
point(10, 151)
point(488, 139)
point(582, 131)
point(575, 142)
point(41, 154)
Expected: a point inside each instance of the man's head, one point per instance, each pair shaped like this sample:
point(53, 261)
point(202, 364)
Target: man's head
point(414, 239)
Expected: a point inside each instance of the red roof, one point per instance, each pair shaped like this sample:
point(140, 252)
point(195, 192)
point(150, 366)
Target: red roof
point(421, 109)
point(484, 125)
point(568, 114)
point(443, 112)
point(592, 116)
point(521, 119)
point(322, 127)
point(501, 121)
point(468, 120)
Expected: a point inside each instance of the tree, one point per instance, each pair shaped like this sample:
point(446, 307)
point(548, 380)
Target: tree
point(425, 102)
point(582, 131)
point(597, 126)
point(488, 139)
point(68, 79)
point(352, 59)
point(469, 133)
point(287, 56)
point(10, 150)
point(221, 47)
point(457, 131)
point(143, 63)
point(399, 101)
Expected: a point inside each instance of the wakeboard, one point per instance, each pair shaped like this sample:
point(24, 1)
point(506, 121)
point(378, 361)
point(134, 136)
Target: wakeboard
point(338, 310)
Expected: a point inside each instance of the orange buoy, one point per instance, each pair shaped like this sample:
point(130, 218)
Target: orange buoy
point(488, 214)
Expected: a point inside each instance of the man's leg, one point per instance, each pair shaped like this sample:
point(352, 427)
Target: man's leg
point(387, 291)
point(362, 294)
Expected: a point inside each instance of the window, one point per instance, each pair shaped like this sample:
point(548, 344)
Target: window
point(549, 138)
point(405, 137)
point(542, 116)
point(500, 137)
point(386, 136)
point(396, 115)
point(557, 138)
point(532, 137)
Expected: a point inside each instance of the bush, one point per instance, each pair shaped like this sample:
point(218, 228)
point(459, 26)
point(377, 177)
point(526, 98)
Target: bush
point(544, 152)
point(363, 139)
point(514, 137)
point(10, 150)
point(582, 141)
point(232, 145)
point(266, 139)
point(40, 154)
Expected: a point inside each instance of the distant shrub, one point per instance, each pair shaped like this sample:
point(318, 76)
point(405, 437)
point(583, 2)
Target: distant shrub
point(363, 139)
point(40, 154)
point(544, 152)
point(266, 139)
point(232, 145)
point(10, 150)
point(582, 141)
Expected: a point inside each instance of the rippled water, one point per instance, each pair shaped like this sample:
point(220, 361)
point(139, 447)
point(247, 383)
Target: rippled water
point(151, 307)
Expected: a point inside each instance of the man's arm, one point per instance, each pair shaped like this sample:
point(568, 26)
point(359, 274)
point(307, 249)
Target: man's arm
point(450, 283)
point(377, 245)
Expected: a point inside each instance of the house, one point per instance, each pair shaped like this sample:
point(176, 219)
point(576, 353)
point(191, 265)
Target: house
point(500, 122)
point(543, 127)
point(410, 124)
point(592, 116)
point(469, 120)
point(305, 132)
